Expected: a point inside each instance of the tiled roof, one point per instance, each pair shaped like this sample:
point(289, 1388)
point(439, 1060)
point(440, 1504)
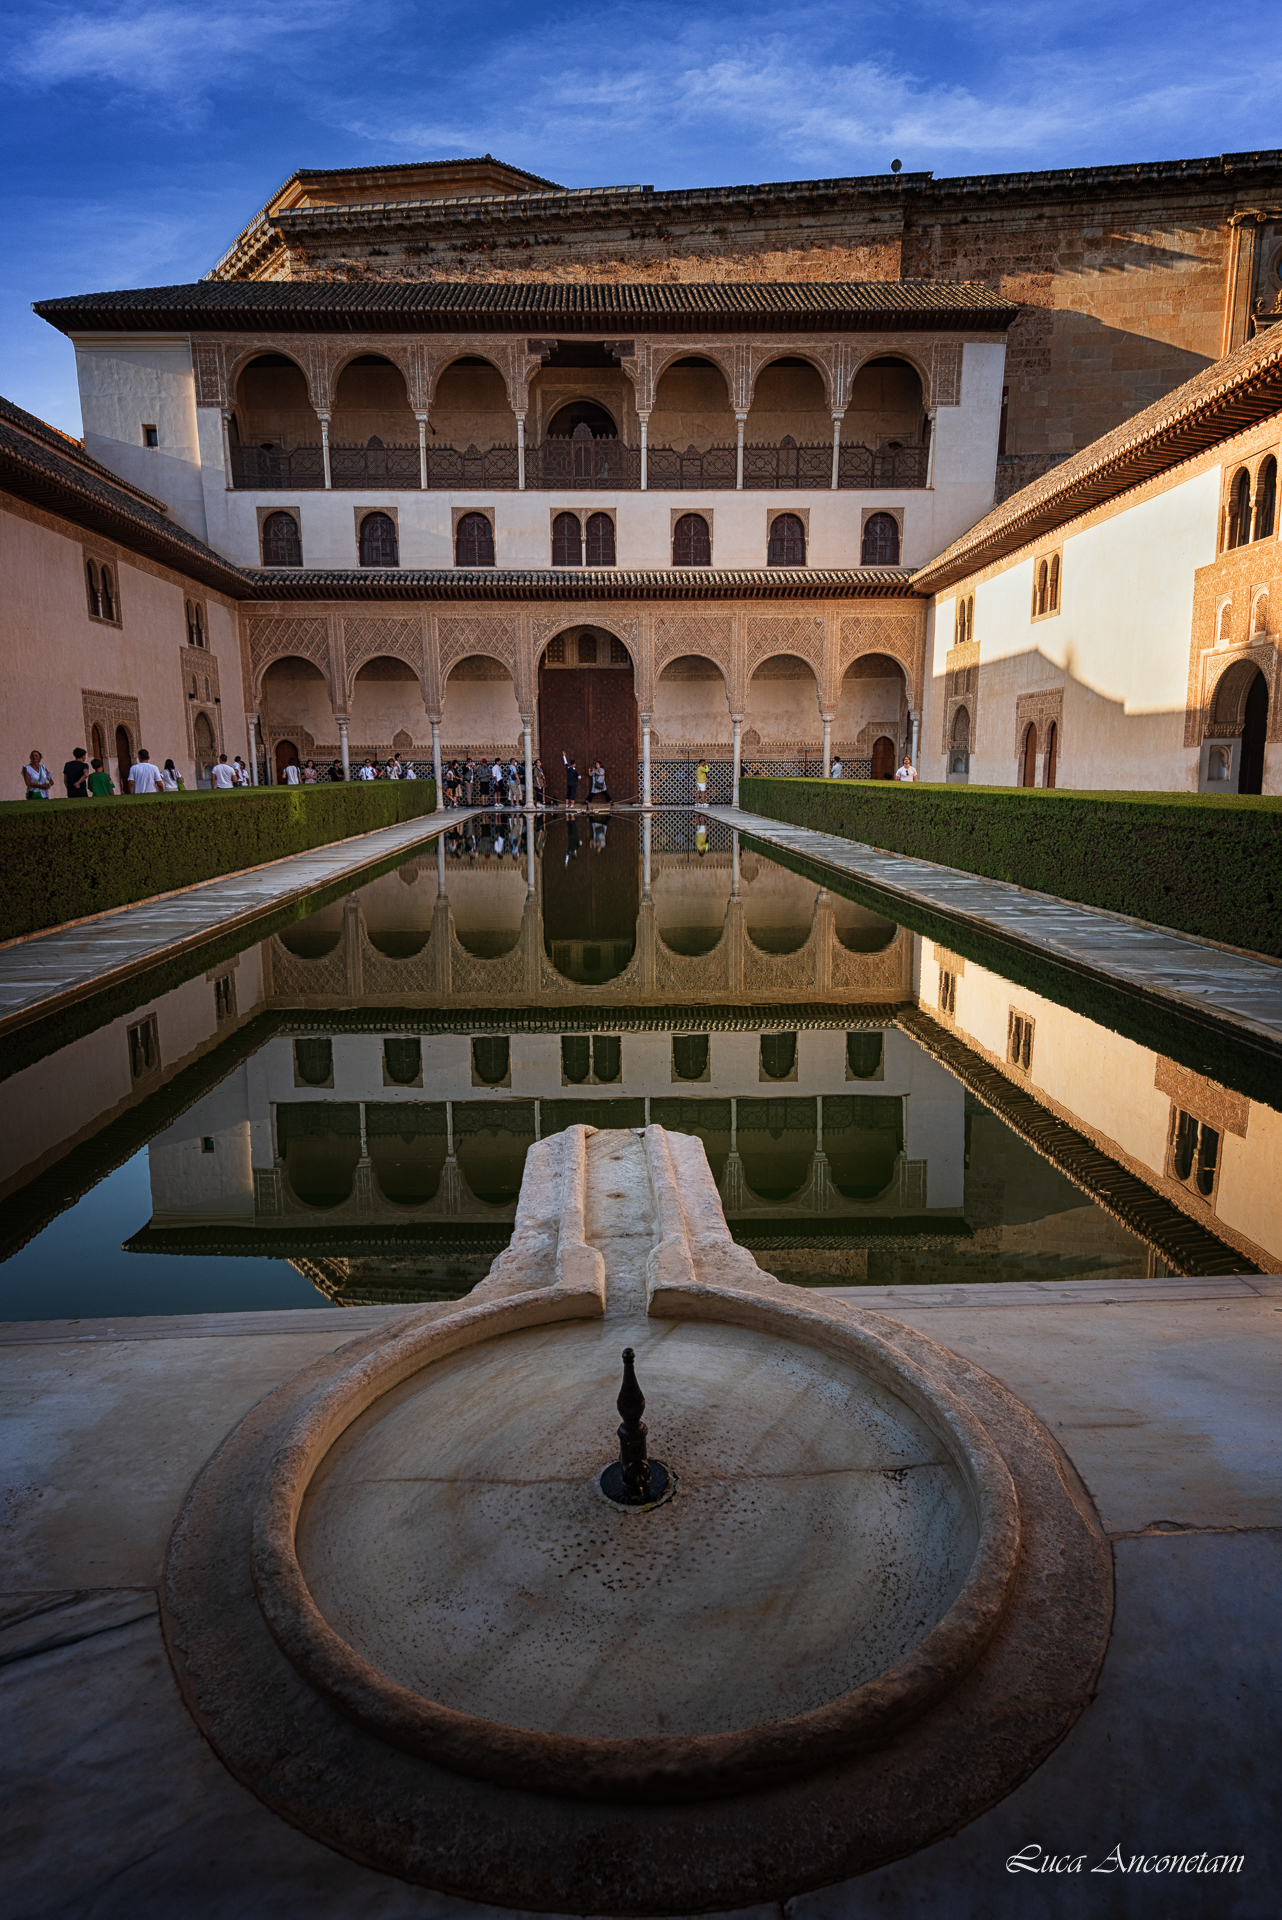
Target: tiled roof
point(1221, 401)
point(71, 449)
point(588, 583)
point(428, 306)
point(36, 469)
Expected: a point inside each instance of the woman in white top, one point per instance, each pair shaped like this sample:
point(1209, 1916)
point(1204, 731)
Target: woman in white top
point(169, 778)
point(36, 776)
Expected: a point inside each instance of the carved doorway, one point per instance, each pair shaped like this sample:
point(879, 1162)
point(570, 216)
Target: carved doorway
point(1255, 723)
point(202, 736)
point(883, 758)
point(1052, 754)
point(588, 711)
point(1028, 770)
point(124, 759)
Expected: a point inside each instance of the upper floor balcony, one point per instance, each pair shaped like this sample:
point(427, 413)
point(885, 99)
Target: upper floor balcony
point(587, 432)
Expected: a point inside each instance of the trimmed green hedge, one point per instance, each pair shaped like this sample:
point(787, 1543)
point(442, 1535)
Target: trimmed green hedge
point(1209, 864)
point(63, 859)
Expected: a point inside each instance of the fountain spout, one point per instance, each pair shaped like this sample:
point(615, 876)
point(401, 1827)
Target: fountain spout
point(634, 1480)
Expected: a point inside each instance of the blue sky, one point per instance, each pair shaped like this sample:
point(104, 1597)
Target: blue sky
point(139, 138)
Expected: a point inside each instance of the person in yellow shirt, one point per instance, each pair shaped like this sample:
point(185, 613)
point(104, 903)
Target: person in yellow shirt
point(701, 783)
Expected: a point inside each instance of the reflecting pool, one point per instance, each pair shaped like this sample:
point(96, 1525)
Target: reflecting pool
point(340, 1111)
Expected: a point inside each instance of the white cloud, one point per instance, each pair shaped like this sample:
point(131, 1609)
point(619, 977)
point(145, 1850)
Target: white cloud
point(164, 49)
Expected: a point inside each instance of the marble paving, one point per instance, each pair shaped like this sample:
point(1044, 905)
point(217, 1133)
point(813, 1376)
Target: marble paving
point(51, 970)
point(1163, 1393)
point(1214, 984)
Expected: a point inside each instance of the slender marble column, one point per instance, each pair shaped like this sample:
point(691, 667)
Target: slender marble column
point(251, 725)
point(527, 725)
point(736, 721)
point(324, 427)
point(836, 451)
point(227, 451)
point(520, 453)
point(740, 421)
point(645, 461)
point(930, 453)
point(422, 450)
point(435, 720)
point(646, 719)
point(344, 753)
point(827, 745)
point(916, 735)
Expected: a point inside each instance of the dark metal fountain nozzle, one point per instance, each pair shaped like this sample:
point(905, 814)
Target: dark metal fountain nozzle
point(634, 1480)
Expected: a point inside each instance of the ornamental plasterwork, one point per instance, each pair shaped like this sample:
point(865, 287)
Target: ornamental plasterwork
point(707, 636)
point(111, 710)
point(1042, 709)
point(201, 694)
point(459, 635)
point(373, 636)
point(1220, 713)
point(801, 634)
point(279, 639)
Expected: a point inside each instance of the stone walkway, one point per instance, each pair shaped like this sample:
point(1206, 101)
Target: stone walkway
point(1213, 985)
point(52, 970)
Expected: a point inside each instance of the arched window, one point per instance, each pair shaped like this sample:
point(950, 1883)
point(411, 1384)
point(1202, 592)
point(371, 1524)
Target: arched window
point(1266, 499)
point(1239, 529)
point(474, 541)
point(970, 617)
point(787, 542)
point(1040, 588)
point(108, 595)
point(691, 542)
point(1225, 633)
point(1052, 753)
point(961, 731)
point(567, 541)
point(600, 540)
point(881, 541)
point(1054, 586)
point(195, 624)
point(378, 541)
point(93, 582)
point(281, 544)
point(1028, 768)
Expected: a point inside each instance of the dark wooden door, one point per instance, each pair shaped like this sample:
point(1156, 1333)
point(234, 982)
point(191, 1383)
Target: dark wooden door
point(1028, 777)
point(589, 713)
point(883, 758)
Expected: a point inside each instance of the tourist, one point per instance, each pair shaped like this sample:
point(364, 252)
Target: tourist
point(469, 781)
point(144, 778)
point(367, 772)
point(598, 792)
point(101, 784)
point(75, 775)
point(496, 783)
point(223, 777)
point(515, 795)
point(410, 773)
point(540, 785)
point(170, 779)
point(37, 776)
point(395, 771)
point(908, 771)
point(336, 772)
point(835, 771)
point(571, 782)
point(241, 772)
point(309, 774)
point(701, 783)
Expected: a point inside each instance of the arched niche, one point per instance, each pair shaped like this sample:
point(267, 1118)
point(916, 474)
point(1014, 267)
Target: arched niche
point(397, 914)
point(790, 396)
point(387, 699)
point(317, 935)
point(470, 406)
point(782, 706)
point(692, 406)
point(691, 706)
point(294, 701)
point(872, 702)
point(371, 403)
point(480, 712)
point(887, 407)
point(690, 902)
point(273, 407)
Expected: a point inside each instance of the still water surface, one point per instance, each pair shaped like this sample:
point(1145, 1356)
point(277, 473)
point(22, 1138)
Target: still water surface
point(341, 1112)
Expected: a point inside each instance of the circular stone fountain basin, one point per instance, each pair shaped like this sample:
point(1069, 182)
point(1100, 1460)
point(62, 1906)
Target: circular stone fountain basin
point(455, 1538)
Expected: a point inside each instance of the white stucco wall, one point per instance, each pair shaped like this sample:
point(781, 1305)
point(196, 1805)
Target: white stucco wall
point(126, 382)
point(1119, 648)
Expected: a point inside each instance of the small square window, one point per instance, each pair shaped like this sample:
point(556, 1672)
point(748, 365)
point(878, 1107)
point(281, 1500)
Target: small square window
point(206, 1143)
point(150, 438)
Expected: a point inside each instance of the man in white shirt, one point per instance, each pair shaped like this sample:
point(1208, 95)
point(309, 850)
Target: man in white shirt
point(143, 777)
point(223, 777)
point(366, 772)
point(908, 771)
point(834, 772)
point(293, 775)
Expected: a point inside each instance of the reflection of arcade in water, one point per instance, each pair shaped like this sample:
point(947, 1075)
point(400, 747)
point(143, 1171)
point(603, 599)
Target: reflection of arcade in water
point(579, 913)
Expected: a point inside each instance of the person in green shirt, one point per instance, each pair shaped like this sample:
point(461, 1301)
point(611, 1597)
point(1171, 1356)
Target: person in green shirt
point(100, 782)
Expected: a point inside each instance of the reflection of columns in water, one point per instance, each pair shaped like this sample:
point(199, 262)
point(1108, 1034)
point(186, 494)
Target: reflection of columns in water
point(529, 865)
point(344, 751)
point(452, 1195)
point(646, 829)
point(364, 1140)
point(736, 752)
point(440, 865)
point(646, 718)
point(538, 1119)
point(449, 1129)
point(435, 722)
point(734, 865)
point(353, 958)
point(733, 1187)
point(819, 1123)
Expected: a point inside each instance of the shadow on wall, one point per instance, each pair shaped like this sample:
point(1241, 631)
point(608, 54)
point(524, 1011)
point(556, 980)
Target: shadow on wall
point(1047, 349)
